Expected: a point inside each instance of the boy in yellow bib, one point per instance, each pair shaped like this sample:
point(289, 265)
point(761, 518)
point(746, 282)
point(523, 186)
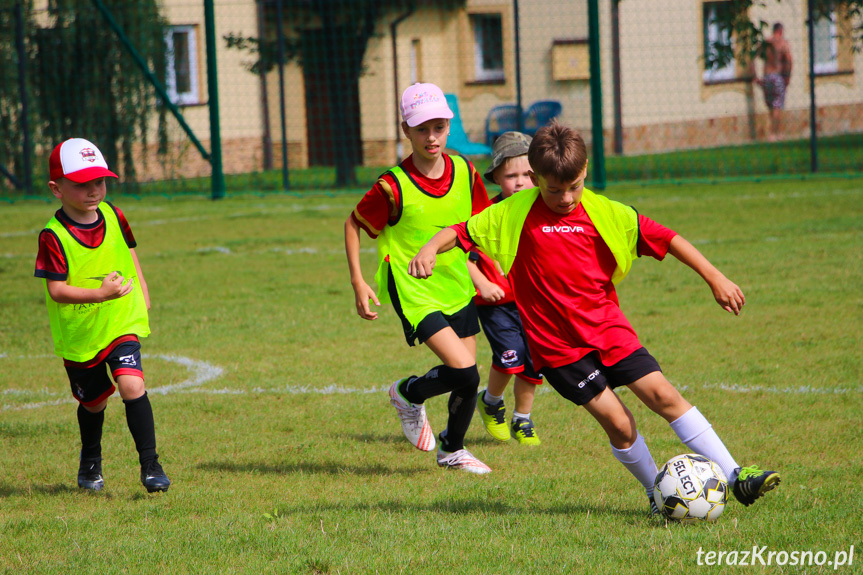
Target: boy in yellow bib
point(97, 305)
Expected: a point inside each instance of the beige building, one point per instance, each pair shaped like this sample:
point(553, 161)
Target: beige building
point(667, 99)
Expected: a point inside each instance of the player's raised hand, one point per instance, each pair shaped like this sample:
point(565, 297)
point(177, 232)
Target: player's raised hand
point(423, 263)
point(362, 294)
point(728, 295)
point(113, 286)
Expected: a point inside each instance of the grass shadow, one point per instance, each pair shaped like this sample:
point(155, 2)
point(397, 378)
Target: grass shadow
point(477, 506)
point(400, 438)
point(288, 468)
point(39, 488)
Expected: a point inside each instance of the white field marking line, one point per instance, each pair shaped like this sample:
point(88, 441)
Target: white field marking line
point(335, 389)
point(265, 210)
point(812, 193)
point(201, 371)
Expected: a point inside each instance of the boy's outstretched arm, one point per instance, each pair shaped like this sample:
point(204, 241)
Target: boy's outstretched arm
point(726, 292)
point(423, 263)
point(362, 291)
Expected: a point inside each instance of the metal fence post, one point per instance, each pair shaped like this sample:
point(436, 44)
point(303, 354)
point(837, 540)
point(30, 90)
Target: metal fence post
point(598, 169)
point(217, 180)
point(22, 88)
point(813, 128)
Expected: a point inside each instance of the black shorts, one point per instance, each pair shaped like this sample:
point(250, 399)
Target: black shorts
point(502, 327)
point(583, 380)
point(91, 385)
point(464, 322)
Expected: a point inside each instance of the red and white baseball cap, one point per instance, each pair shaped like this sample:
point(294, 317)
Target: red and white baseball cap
point(78, 160)
point(424, 102)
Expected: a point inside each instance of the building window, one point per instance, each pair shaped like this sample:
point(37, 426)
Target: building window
point(826, 43)
point(488, 47)
point(182, 70)
point(717, 41)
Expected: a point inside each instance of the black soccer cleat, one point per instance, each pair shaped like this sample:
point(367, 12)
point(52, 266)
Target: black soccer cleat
point(153, 476)
point(90, 475)
point(653, 511)
point(752, 483)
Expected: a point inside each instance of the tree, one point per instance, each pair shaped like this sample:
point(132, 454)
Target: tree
point(81, 81)
point(328, 39)
point(748, 34)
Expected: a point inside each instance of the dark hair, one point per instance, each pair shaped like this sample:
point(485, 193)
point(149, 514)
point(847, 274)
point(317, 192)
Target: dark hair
point(557, 151)
point(778, 27)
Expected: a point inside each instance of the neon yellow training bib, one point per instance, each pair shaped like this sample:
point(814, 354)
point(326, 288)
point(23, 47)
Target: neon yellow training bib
point(422, 215)
point(81, 331)
point(497, 229)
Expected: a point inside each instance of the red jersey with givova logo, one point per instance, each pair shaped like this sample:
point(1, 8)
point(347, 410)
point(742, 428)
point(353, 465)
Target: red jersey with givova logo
point(561, 278)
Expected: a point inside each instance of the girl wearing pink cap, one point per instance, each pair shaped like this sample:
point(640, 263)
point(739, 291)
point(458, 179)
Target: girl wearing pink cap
point(427, 191)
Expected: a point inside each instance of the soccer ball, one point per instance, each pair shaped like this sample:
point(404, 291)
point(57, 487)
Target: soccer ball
point(690, 488)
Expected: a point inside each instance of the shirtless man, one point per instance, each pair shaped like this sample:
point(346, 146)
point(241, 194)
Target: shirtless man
point(777, 76)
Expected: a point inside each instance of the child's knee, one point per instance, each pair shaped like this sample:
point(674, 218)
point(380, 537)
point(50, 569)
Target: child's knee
point(659, 395)
point(620, 428)
point(462, 378)
point(130, 386)
point(667, 399)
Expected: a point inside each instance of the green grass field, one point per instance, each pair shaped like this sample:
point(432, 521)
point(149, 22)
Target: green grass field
point(274, 423)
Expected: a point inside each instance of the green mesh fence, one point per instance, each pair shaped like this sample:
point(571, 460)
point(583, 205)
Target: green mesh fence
point(308, 89)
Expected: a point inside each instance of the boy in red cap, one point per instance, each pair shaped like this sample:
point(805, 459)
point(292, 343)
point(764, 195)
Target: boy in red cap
point(427, 191)
point(97, 304)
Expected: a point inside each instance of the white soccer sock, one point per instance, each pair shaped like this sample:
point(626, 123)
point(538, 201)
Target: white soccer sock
point(517, 415)
point(490, 399)
point(697, 434)
point(638, 460)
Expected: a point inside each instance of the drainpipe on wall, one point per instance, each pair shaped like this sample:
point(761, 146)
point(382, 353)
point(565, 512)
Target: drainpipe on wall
point(396, 91)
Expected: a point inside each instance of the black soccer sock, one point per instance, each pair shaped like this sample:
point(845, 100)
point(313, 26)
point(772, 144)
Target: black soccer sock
point(90, 425)
point(439, 380)
point(139, 417)
point(461, 404)
point(462, 383)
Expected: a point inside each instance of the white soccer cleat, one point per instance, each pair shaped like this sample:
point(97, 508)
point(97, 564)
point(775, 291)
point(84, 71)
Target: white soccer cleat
point(413, 417)
point(463, 460)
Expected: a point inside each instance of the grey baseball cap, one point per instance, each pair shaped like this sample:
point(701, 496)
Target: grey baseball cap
point(508, 145)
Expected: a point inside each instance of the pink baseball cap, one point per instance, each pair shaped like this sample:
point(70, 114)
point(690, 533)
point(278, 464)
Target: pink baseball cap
point(78, 160)
point(424, 102)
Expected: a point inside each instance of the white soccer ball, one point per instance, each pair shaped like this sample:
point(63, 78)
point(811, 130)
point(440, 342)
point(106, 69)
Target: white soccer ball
point(690, 488)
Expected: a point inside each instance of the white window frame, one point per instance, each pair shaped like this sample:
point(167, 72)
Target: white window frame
point(193, 96)
point(830, 65)
point(481, 73)
point(714, 34)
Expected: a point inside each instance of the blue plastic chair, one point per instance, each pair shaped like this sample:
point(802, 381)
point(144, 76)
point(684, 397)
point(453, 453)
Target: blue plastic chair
point(504, 118)
point(458, 140)
point(539, 114)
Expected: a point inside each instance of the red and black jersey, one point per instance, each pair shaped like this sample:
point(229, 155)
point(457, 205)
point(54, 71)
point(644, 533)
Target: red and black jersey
point(561, 278)
point(51, 259)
